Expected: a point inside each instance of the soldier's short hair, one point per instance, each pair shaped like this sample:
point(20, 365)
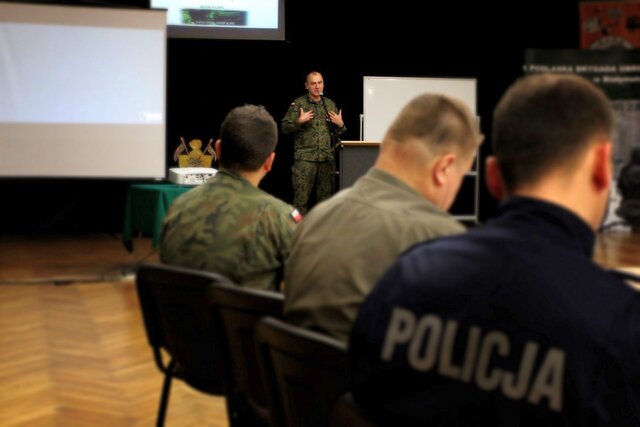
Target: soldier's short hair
point(310, 73)
point(248, 136)
point(544, 121)
point(439, 121)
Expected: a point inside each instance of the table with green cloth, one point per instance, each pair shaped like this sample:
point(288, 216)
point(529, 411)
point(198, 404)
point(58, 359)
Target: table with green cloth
point(146, 206)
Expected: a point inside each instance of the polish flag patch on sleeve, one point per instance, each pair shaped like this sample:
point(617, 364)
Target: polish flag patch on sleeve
point(297, 217)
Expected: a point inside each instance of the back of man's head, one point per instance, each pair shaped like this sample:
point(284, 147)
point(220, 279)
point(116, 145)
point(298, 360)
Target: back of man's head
point(544, 121)
point(248, 136)
point(438, 122)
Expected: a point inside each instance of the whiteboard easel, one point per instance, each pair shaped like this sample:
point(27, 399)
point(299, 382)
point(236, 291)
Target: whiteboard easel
point(384, 97)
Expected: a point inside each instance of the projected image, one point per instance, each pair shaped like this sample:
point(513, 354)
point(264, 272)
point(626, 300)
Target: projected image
point(214, 17)
point(228, 13)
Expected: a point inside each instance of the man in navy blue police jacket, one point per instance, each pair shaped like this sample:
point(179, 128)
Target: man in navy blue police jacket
point(513, 324)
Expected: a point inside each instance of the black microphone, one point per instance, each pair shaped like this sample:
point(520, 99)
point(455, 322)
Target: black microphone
point(326, 112)
point(331, 127)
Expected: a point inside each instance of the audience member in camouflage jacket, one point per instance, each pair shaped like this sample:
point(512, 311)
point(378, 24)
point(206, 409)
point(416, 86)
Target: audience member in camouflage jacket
point(228, 225)
point(314, 121)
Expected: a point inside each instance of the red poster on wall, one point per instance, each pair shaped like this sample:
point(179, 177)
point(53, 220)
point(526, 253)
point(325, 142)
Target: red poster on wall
point(609, 24)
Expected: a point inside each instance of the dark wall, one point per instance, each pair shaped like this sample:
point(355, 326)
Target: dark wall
point(206, 78)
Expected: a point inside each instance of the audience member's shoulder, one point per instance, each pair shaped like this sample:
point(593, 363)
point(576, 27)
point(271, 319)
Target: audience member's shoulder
point(186, 199)
point(275, 206)
point(630, 276)
point(620, 280)
point(329, 204)
point(440, 225)
point(320, 212)
point(446, 248)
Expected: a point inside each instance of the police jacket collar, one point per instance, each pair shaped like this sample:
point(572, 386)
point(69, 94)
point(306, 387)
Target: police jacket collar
point(547, 220)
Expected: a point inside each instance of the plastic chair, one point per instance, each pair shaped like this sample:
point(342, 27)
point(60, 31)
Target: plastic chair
point(237, 311)
point(305, 372)
point(347, 413)
point(177, 307)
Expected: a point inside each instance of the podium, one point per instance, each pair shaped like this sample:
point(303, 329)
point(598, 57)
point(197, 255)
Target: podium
point(354, 160)
point(356, 157)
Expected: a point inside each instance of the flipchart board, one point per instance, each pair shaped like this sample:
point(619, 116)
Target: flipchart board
point(384, 97)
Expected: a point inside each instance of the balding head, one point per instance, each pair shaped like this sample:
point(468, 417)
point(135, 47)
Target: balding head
point(430, 146)
point(438, 122)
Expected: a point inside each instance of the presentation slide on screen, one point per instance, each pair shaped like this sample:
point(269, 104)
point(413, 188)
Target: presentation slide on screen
point(221, 13)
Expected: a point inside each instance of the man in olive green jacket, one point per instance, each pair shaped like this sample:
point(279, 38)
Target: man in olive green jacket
point(345, 244)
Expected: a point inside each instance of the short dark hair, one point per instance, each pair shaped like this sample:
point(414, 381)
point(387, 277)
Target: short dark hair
point(248, 136)
point(545, 120)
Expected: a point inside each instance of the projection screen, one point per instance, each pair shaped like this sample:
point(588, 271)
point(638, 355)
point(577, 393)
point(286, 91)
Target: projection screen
point(82, 92)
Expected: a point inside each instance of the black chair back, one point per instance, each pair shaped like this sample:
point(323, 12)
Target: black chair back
point(347, 413)
point(177, 307)
point(305, 372)
point(237, 311)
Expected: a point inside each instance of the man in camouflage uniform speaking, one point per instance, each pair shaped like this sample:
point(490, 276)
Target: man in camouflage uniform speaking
point(228, 225)
point(313, 120)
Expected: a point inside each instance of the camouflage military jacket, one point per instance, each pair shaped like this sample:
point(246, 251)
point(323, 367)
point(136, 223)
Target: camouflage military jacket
point(229, 226)
point(311, 140)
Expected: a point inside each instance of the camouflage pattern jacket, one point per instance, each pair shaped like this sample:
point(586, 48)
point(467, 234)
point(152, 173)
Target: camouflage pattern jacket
point(312, 140)
point(229, 226)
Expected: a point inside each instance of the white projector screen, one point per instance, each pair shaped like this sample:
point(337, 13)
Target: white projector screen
point(224, 19)
point(82, 92)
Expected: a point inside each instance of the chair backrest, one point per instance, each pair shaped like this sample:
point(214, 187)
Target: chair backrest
point(305, 372)
point(347, 413)
point(177, 308)
point(237, 311)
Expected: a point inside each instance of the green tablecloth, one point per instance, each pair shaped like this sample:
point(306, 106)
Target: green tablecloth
point(147, 205)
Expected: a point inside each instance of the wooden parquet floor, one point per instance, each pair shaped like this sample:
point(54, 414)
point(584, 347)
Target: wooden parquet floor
point(618, 249)
point(75, 353)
